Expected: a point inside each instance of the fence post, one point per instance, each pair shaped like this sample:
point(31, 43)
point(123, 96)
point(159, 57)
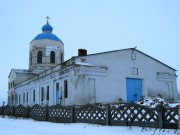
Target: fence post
point(46, 112)
point(160, 112)
point(72, 114)
point(107, 115)
point(3, 108)
point(28, 112)
point(179, 117)
point(13, 111)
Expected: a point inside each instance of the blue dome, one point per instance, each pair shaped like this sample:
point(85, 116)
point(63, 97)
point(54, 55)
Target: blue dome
point(47, 27)
point(47, 34)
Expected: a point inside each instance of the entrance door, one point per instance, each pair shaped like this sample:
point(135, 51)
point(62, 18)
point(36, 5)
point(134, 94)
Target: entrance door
point(134, 89)
point(57, 96)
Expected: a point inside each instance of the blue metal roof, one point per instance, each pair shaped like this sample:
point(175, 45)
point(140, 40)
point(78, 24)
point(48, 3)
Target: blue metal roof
point(47, 34)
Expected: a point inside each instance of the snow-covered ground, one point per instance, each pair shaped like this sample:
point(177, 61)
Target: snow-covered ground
point(152, 102)
point(10, 126)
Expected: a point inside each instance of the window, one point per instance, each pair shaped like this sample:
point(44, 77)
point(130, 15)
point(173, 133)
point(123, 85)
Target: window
point(13, 83)
point(134, 71)
point(39, 57)
point(57, 86)
point(23, 97)
point(57, 93)
point(30, 58)
point(16, 99)
point(65, 89)
point(62, 59)
point(27, 97)
point(47, 96)
point(52, 57)
point(19, 98)
point(12, 99)
point(42, 94)
point(9, 98)
point(33, 95)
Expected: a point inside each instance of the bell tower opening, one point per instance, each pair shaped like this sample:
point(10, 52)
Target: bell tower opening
point(39, 57)
point(52, 57)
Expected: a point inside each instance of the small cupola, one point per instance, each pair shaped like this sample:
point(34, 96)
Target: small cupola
point(47, 28)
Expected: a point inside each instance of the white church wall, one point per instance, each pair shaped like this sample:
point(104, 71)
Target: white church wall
point(120, 66)
point(21, 77)
point(38, 85)
point(103, 83)
point(30, 87)
point(78, 83)
point(12, 76)
point(155, 84)
point(109, 88)
point(11, 83)
point(84, 82)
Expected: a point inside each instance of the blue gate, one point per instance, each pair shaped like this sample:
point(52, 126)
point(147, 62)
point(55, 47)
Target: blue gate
point(134, 89)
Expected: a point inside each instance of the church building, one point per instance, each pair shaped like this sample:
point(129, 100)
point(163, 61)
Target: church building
point(107, 77)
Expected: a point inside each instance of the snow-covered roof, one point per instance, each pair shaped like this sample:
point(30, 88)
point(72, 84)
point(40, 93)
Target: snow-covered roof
point(84, 64)
point(20, 71)
point(23, 71)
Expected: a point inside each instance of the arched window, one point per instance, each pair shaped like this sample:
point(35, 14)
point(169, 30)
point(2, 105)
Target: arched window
point(47, 96)
point(65, 89)
point(30, 58)
point(39, 57)
point(52, 57)
point(34, 94)
point(42, 93)
point(62, 58)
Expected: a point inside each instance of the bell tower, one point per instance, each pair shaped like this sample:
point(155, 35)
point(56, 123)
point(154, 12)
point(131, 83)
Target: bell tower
point(46, 50)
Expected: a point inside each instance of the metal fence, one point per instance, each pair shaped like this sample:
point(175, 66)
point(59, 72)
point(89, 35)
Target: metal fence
point(110, 114)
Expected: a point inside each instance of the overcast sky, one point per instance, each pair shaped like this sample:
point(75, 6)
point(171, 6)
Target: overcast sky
point(96, 25)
